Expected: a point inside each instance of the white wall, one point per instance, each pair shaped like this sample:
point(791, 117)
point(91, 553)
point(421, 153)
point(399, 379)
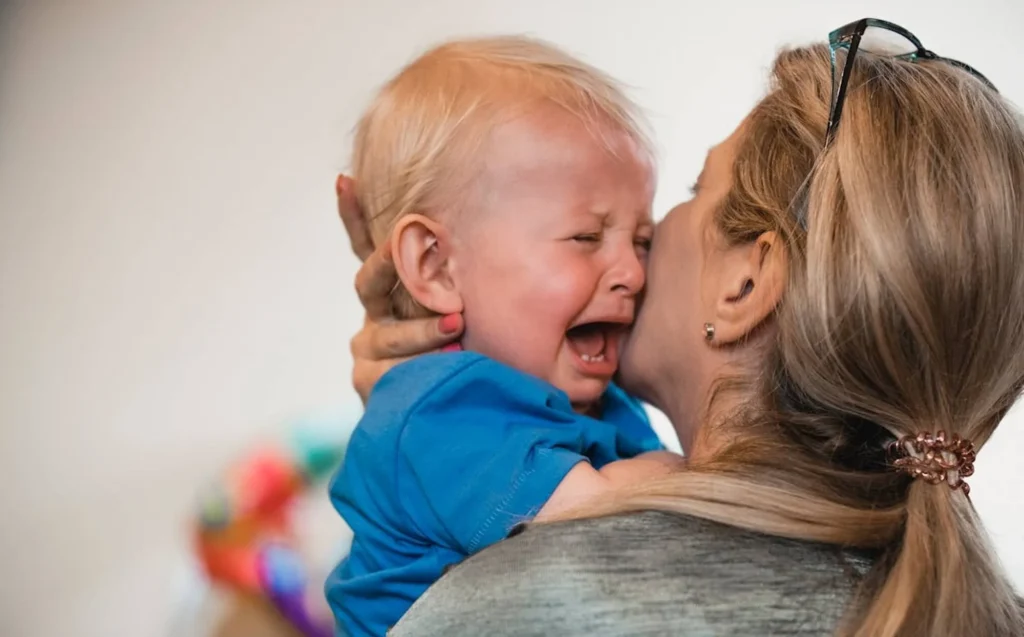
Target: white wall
point(174, 282)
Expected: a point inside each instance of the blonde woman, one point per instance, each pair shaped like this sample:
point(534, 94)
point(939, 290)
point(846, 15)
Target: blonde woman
point(834, 323)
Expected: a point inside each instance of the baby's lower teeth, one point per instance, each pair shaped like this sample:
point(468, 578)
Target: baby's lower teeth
point(590, 359)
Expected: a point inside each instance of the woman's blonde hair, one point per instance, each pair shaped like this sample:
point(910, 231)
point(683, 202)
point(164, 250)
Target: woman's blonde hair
point(419, 146)
point(903, 312)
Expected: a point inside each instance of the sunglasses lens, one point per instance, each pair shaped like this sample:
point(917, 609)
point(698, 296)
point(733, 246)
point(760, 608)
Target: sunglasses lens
point(881, 41)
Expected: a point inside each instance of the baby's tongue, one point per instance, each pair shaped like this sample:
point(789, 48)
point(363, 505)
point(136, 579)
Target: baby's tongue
point(588, 339)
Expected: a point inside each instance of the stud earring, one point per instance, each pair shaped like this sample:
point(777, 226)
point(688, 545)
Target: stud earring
point(709, 332)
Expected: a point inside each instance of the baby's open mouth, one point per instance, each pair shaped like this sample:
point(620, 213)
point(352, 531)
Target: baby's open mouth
point(590, 340)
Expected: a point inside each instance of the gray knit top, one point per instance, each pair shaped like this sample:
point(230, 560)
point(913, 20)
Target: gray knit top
point(641, 574)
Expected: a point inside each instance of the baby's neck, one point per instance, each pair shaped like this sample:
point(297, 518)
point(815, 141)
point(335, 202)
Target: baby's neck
point(588, 409)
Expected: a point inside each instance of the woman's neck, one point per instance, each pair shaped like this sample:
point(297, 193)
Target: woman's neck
point(696, 410)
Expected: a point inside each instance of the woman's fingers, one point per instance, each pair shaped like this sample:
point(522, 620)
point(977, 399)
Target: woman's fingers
point(375, 281)
point(380, 346)
point(356, 225)
point(399, 339)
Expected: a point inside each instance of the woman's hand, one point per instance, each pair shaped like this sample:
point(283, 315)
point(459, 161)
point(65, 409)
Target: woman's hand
point(383, 342)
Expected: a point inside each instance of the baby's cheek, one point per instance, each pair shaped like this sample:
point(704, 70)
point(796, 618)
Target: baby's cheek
point(517, 311)
point(573, 281)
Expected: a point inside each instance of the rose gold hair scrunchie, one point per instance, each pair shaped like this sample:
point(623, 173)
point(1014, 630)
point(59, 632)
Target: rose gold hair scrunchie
point(935, 459)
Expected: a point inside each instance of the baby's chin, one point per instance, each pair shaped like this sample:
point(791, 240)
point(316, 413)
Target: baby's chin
point(585, 395)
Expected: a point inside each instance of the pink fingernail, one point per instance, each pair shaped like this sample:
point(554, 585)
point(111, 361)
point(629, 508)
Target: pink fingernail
point(450, 323)
point(452, 347)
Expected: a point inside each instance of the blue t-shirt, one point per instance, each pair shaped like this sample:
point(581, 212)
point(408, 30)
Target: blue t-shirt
point(453, 451)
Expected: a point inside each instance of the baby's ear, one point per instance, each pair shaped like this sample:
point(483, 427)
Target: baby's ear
point(422, 251)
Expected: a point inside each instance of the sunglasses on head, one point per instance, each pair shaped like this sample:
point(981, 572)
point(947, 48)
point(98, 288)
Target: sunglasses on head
point(876, 37)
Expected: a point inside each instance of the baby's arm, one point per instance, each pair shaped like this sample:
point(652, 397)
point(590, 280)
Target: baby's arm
point(584, 481)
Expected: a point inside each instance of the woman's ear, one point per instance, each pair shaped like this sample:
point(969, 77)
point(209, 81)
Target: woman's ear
point(752, 285)
point(421, 250)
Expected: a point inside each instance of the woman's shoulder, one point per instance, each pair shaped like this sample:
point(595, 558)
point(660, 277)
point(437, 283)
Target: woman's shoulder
point(647, 573)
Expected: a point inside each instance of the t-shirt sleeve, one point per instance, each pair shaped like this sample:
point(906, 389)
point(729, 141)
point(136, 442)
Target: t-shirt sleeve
point(627, 414)
point(484, 452)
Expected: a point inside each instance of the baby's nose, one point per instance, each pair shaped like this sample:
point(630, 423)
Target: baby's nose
point(627, 275)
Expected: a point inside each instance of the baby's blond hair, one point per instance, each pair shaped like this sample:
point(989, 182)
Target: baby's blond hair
point(418, 146)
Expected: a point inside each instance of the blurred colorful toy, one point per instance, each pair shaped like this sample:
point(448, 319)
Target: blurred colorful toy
point(245, 529)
